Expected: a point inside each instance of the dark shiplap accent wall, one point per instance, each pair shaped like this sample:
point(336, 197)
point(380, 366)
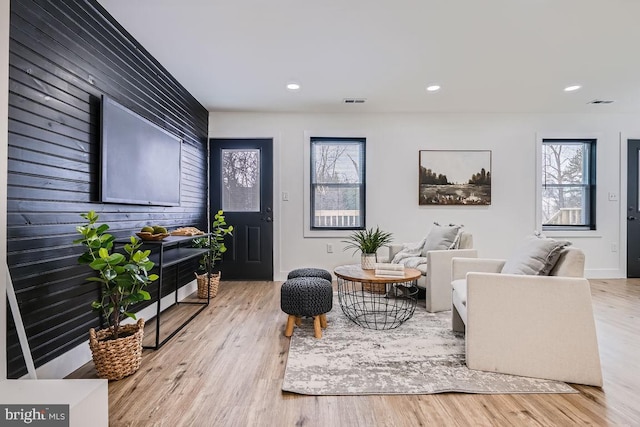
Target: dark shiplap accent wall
point(63, 56)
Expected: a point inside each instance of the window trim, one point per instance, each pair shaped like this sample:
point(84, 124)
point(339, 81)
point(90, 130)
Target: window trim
point(591, 193)
point(341, 135)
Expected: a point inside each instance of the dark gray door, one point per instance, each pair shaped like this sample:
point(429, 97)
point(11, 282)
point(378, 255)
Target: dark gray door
point(633, 209)
point(241, 184)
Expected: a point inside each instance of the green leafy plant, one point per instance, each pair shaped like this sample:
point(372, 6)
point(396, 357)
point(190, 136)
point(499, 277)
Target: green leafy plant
point(367, 241)
point(215, 243)
point(122, 277)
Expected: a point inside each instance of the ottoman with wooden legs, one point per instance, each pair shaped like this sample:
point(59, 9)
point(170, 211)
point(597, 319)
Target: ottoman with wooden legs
point(310, 272)
point(306, 297)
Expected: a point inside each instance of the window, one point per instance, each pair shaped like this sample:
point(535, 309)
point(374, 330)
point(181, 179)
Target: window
point(241, 180)
point(568, 184)
point(337, 178)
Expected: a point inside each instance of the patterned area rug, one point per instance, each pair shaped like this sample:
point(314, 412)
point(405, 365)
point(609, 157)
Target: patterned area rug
point(422, 356)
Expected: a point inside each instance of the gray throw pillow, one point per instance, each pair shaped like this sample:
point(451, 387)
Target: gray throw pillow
point(537, 255)
point(441, 238)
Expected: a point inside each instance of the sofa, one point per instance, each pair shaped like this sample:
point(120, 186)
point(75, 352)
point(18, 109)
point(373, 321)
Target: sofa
point(436, 269)
point(530, 325)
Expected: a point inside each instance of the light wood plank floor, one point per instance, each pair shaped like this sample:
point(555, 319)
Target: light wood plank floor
point(226, 368)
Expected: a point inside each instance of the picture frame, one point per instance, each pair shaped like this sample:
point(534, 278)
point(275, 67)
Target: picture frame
point(454, 177)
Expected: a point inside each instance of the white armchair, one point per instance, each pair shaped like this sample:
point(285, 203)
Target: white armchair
point(436, 272)
point(535, 326)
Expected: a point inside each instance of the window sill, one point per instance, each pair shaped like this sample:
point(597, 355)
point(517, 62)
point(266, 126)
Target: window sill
point(328, 233)
point(592, 234)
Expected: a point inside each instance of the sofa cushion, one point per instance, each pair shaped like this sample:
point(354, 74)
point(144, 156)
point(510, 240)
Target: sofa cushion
point(460, 287)
point(441, 237)
point(537, 255)
point(422, 268)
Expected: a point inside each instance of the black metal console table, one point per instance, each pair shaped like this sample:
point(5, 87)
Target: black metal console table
point(166, 253)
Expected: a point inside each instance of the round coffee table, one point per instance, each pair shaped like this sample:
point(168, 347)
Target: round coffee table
point(376, 302)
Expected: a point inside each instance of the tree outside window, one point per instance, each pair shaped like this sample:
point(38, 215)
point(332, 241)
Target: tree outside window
point(568, 184)
point(241, 180)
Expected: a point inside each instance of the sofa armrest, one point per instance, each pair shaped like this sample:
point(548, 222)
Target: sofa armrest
point(438, 283)
point(545, 322)
point(461, 266)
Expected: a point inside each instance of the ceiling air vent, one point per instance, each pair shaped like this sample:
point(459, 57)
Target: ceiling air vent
point(599, 101)
point(354, 100)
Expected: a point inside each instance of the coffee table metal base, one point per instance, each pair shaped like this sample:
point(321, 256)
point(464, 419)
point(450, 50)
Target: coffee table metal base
point(373, 308)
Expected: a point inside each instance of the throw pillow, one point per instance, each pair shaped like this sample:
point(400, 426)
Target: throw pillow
point(441, 238)
point(537, 255)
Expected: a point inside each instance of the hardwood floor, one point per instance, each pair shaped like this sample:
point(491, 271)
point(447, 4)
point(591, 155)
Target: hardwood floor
point(226, 369)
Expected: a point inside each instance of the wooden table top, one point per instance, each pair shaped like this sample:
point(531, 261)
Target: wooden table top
point(354, 273)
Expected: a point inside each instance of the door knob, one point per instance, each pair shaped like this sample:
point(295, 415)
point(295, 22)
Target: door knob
point(631, 218)
point(268, 219)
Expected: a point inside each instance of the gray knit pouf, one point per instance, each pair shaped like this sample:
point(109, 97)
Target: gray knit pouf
point(310, 272)
point(306, 297)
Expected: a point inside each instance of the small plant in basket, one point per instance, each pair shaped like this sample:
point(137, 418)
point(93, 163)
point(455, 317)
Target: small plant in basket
point(215, 244)
point(123, 278)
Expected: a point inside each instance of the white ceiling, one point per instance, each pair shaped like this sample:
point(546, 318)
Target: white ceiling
point(488, 56)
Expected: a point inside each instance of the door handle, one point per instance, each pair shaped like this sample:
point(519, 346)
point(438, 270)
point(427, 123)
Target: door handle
point(631, 218)
point(268, 219)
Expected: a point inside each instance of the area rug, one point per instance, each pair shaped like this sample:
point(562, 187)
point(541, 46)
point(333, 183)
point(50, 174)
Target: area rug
point(422, 356)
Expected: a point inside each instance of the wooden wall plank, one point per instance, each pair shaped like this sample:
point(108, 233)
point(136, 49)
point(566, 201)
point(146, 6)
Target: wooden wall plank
point(63, 57)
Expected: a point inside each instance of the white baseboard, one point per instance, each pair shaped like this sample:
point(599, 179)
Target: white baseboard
point(73, 359)
point(605, 273)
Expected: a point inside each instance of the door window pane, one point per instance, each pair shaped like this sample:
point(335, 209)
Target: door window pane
point(241, 180)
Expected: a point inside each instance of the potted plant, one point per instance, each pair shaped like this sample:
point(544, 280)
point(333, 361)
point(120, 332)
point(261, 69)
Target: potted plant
point(116, 350)
point(209, 281)
point(368, 242)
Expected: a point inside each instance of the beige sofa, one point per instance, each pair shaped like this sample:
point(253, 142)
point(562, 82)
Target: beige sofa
point(436, 272)
point(535, 326)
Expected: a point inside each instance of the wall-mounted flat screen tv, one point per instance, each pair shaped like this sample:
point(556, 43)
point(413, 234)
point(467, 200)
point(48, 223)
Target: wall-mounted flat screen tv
point(140, 161)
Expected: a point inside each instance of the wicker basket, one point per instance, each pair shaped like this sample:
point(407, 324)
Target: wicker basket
point(116, 359)
point(375, 288)
point(214, 282)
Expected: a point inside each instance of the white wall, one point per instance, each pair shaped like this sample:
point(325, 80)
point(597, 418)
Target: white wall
point(393, 142)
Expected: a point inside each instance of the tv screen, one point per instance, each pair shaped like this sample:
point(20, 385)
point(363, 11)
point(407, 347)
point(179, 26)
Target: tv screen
point(140, 162)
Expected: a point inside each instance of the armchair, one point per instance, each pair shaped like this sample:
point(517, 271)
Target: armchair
point(535, 326)
point(436, 271)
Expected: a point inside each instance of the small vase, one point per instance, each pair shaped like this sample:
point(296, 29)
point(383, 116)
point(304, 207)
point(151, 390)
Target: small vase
point(368, 261)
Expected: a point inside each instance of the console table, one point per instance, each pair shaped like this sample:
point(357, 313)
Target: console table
point(165, 253)
point(376, 302)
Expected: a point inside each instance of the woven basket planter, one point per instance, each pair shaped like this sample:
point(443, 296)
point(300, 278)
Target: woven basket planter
point(116, 359)
point(214, 282)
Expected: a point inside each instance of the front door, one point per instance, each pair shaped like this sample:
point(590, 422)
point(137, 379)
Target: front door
point(633, 209)
point(241, 184)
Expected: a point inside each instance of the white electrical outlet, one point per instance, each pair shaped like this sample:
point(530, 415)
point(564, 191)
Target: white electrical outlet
point(613, 197)
point(329, 248)
point(285, 196)
point(614, 247)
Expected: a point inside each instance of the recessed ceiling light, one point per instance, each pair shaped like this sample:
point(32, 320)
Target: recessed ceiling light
point(293, 86)
point(572, 88)
point(433, 88)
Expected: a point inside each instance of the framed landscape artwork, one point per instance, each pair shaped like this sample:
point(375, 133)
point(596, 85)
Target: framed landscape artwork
point(454, 177)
